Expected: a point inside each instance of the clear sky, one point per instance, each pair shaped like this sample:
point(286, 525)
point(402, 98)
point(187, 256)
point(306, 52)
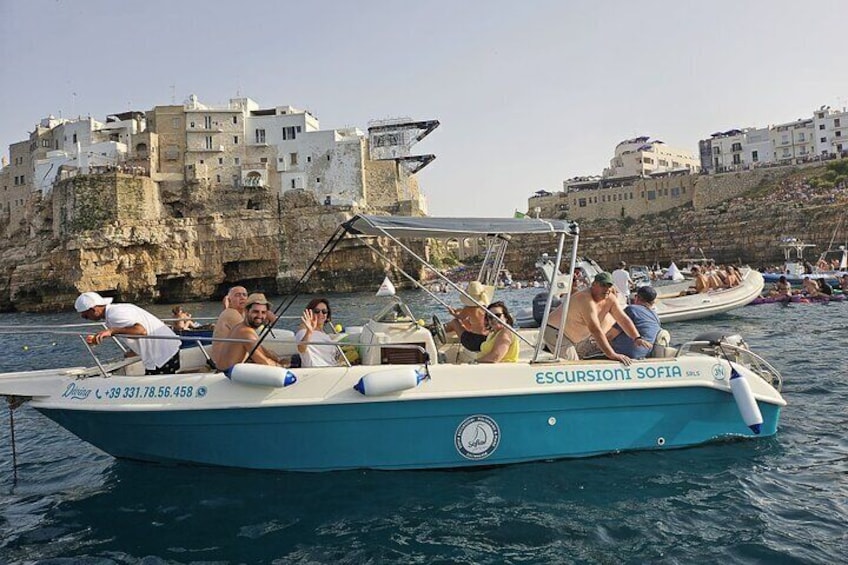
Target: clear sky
point(527, 93)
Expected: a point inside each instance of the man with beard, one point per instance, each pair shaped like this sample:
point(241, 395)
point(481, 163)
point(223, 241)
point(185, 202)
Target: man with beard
point(230, 353)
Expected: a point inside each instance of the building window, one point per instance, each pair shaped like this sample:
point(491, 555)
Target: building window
point(293, 158)
point(191, 125)
point(220, 160)
point(208, 142)
point(218, 178)
point(836, 122)
point(75, 138)
point(837, 134)
point(736, 147)
point(236, 161)
point(260, 136)
point(289, 133)
point(821, 126)
point(309, 158)
point(823, 140)
point(207, 122)
point(292, 183)
point(298, 127)
point(263, 160)
point(318, 180)
point(755, 156)
point(235, 140)
point(652, 195)
point(581, 202)
point(235, 119)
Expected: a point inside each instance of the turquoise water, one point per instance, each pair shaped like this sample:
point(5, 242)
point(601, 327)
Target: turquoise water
point(776, 500)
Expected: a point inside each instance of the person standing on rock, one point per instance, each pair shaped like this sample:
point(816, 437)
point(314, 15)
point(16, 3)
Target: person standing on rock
point(159, 356)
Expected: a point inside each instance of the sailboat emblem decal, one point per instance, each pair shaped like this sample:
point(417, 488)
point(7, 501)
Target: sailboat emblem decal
point(477, 437)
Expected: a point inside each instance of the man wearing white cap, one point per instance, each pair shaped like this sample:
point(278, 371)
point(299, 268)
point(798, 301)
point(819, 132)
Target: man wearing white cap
point(159, 356)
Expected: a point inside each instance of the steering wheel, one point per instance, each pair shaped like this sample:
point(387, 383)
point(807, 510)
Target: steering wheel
point(439, 329)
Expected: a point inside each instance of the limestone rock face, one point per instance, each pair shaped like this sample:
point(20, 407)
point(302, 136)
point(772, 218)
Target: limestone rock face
point(123, 245)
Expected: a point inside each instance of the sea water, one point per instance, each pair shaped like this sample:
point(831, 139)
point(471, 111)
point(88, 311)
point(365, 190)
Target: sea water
point(774, 500)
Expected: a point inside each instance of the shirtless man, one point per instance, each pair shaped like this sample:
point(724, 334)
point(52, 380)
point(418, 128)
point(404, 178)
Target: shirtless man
point(233, 314)
point(811, 287)
point(702, 283)
point(230, 353)
point(591, 313)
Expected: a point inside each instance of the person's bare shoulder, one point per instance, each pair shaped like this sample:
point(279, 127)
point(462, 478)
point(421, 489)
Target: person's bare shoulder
point(230, 317)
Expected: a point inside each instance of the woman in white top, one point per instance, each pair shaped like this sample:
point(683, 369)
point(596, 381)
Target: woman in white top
point(311, 330)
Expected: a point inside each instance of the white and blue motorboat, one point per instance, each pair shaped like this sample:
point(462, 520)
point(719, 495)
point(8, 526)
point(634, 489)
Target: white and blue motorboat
point(796, 268)
point(415, 400)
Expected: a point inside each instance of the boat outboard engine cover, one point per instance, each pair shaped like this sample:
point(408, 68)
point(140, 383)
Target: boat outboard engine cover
point(539, 302)
point(717, 338)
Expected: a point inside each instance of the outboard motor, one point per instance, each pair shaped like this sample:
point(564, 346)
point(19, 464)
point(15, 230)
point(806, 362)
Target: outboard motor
point(714, 339)
point(539, 302)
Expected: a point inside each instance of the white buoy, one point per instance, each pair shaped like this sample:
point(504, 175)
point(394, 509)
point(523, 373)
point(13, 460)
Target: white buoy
point(387, 382)
point(260, 375)
point(387, 288)
point(745, 401)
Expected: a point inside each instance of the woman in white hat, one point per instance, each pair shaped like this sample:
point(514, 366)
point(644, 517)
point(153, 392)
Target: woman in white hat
point(469, 322)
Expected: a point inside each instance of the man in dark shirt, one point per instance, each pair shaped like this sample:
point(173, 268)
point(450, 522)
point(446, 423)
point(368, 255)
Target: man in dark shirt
point(645, 320)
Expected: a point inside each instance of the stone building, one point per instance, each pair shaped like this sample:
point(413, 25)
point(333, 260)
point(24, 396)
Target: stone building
point(644, 177)
point(202, 158)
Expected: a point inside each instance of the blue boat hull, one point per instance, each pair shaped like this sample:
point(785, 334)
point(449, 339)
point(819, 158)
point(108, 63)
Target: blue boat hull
point(797, 280)
point(421, 434)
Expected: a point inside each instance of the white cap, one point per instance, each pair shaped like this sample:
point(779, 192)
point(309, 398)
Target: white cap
point(88, 300)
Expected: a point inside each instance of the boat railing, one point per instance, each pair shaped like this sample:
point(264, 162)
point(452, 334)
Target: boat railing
point(739, 354)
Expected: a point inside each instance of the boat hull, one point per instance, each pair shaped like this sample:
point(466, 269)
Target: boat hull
point(421, 434)
point(797, 280)
point(697, 306)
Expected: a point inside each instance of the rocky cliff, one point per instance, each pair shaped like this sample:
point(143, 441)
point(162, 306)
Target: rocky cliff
point(117, 235)
point(742, 223)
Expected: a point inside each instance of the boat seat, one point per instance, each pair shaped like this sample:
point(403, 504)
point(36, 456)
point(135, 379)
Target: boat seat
point(662, 346)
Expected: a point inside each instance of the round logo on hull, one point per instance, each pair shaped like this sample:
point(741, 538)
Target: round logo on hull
point(477, 437)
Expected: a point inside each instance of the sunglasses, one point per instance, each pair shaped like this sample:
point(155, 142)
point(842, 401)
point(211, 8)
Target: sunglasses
point(320, 311)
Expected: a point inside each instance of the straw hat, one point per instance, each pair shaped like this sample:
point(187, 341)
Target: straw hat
point(256, 298)
point(478, 292)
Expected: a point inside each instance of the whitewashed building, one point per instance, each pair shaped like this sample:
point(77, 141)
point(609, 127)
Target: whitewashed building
point(641, 157)
point(831, 131)
point(825, 135)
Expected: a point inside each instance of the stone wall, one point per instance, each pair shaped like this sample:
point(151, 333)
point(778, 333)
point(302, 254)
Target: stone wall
point(746, 231)
point(86, 202)
point(712, 189)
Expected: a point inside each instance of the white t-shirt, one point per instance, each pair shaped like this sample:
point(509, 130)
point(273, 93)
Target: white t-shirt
point(153, 352)
point(318, 355)
point(621, 280)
